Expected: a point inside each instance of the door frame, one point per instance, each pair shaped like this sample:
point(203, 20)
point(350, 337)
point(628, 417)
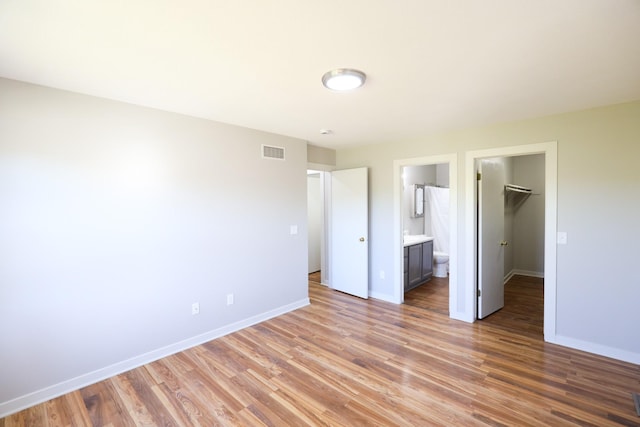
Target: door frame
point(325, 239)
point(550, 151)
point(398, 258)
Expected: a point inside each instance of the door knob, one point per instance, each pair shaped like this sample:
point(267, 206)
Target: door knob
point(362, 239)
point(504, 243)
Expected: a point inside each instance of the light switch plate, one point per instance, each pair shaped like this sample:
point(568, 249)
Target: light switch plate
point(293, 229)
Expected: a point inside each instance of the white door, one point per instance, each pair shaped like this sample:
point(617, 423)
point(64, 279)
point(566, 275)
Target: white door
point(349, 232)
point(490, 237)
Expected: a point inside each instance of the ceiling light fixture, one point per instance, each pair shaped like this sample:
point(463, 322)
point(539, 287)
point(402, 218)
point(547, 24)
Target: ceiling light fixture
point(343, 79)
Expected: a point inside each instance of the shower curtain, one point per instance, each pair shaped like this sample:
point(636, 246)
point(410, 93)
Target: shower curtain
point(437, 200)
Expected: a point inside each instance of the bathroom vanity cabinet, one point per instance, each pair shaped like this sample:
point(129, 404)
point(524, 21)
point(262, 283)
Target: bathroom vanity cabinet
point(418, 264)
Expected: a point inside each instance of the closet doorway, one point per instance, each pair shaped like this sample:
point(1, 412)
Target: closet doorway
point(510, 197)
point(470, 291)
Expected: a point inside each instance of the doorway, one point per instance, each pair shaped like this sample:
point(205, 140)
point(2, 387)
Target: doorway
point(318, 205)
point(510, 229)
point(450, 160)
point(469, 300)
point(315, 222)
point(425, 222)
point(341, 196)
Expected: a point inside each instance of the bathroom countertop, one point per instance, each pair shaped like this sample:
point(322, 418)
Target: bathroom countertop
point(415, 239)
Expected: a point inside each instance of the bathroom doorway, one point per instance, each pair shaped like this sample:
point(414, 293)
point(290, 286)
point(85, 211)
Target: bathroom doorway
point(435, 172)
point(425, 221)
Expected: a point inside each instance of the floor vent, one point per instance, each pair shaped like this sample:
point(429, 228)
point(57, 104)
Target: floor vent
point(271, 152)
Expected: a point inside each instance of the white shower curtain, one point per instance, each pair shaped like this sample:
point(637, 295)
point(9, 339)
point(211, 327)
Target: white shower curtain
point(437, 200)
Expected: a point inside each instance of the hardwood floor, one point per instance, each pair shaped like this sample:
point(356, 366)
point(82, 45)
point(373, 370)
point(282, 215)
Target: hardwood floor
point(523, 311)
point(314, 277)
point(432, 295)
point(522, 314)
point(347, 361)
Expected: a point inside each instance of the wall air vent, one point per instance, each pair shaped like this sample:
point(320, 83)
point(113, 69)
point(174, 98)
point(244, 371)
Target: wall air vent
point(271, 152)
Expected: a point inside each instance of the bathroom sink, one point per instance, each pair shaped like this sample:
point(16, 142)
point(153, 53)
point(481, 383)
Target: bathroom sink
point(414, 239)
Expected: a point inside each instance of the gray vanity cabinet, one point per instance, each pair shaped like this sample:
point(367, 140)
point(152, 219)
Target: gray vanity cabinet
point(415, 266)
point(406, 267)
point(418, 264)
point(427, 260)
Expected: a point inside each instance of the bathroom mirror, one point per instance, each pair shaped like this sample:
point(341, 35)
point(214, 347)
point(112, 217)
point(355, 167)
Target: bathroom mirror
point(418, 201)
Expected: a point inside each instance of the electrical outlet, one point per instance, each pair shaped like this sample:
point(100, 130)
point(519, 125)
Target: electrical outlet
point(229, 299)
point(195, 308)
point(382, 275)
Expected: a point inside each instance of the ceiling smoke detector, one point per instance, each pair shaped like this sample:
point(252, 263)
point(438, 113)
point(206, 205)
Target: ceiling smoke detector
point(342, 79)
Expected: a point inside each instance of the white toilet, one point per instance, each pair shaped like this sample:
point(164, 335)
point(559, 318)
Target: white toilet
point(440, 264)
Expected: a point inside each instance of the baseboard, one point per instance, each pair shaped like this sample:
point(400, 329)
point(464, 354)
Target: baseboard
point(601, 350)
point(383, 297)
point(462, 315)
point(508, 277)
point(538, 274)
point(51, 392)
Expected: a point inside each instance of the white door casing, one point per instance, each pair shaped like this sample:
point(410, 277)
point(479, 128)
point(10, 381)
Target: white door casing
point(349, 232)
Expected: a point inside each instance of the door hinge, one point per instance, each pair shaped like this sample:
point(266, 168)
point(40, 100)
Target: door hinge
point(479, 176)
point(479, 293)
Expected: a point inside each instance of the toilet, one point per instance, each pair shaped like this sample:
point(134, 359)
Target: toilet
point(440, 264)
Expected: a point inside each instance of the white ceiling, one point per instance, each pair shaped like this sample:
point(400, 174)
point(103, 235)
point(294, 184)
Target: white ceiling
point(432, 65)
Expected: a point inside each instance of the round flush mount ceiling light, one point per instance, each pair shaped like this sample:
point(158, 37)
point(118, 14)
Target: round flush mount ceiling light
point(342, 79)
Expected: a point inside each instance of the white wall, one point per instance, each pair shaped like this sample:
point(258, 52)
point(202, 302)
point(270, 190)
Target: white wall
point(116, 218)
point(598, 206)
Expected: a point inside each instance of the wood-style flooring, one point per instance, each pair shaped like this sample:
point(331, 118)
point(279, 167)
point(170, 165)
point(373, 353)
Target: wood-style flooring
point(345, 361)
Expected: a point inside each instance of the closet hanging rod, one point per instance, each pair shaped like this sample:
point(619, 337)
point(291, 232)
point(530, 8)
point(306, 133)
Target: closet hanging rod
point(518, 188)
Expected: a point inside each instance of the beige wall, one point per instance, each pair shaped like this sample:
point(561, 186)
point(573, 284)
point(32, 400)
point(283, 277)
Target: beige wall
point(598, 206)
point(528, 220)
point(524, 216)
point(321, 155)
